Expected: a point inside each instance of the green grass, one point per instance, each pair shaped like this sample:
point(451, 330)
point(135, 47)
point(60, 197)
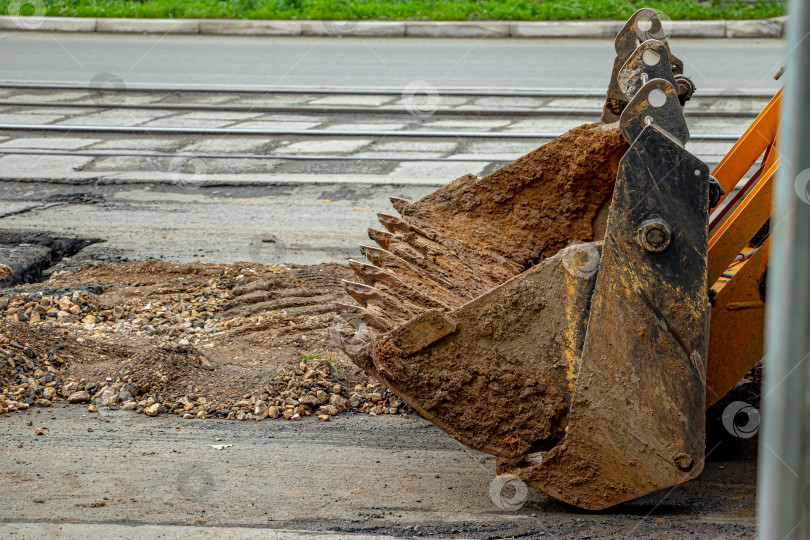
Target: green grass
point(440, 10)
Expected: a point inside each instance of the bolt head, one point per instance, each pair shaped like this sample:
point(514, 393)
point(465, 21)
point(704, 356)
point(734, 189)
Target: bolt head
point(654, 235)
point(683, 461)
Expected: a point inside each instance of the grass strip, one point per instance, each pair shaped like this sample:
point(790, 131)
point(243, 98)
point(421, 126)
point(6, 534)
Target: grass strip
point(431, 10)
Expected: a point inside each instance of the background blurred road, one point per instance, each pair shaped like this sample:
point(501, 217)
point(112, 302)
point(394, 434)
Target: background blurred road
point(470, 63)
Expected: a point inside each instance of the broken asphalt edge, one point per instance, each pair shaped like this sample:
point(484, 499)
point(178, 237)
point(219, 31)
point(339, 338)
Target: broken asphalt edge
point(596, 29)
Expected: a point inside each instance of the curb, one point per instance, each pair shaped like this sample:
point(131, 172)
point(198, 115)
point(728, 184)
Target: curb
point(761, 28)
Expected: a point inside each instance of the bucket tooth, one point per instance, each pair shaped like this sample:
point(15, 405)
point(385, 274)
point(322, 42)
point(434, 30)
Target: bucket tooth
point(401, 205)
point(362, 293)
point(375, 254)
point(372, 274)
point(394, 223)
point(391, 308)
point(401, 248)
point(414, 292)
point(348, 311)
point(416, 277)
point(380, 237)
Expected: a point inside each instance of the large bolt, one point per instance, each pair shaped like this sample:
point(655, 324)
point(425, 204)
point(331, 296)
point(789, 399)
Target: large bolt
point(683, 461)
point(654, 235)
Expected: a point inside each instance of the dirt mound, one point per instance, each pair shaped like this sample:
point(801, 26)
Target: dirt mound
point(198, 340)
point(465, 239)
point(166, 368)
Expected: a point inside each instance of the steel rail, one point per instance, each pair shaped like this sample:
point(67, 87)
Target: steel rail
point(364, 91)
point(540, 111)
point(288, 157)
point(164, 130)
point(191, 155)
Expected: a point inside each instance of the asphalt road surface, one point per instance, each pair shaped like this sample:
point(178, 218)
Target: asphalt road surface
point(130, 476)
point(470, 63)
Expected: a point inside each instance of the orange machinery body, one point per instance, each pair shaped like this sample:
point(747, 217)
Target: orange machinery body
point(739, 244)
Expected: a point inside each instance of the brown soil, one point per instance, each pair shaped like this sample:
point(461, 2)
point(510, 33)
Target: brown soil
point(463, 240)
point(228, 333)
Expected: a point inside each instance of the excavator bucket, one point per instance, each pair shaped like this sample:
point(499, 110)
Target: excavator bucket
point(554, 313)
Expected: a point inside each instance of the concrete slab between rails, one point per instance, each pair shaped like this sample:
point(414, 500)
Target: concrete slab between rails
point(590, 29)
point(192, 181)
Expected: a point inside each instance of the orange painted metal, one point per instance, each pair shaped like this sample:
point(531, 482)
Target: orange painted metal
point(740, 225)
point(756, 139)
point(737, 326)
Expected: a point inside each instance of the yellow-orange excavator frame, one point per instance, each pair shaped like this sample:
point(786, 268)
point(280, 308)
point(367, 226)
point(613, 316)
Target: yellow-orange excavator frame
point(738, 255)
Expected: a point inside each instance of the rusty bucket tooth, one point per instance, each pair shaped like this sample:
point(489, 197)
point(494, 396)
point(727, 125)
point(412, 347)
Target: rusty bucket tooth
point(417, 278)
point(401, 288)
point(346, 310)
point(372, 274)
point(394, 223)
point(389, 307)
point(362, 293)
point(479, 270)
point(401, 205)
point(374, 254)
point(380, 237)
